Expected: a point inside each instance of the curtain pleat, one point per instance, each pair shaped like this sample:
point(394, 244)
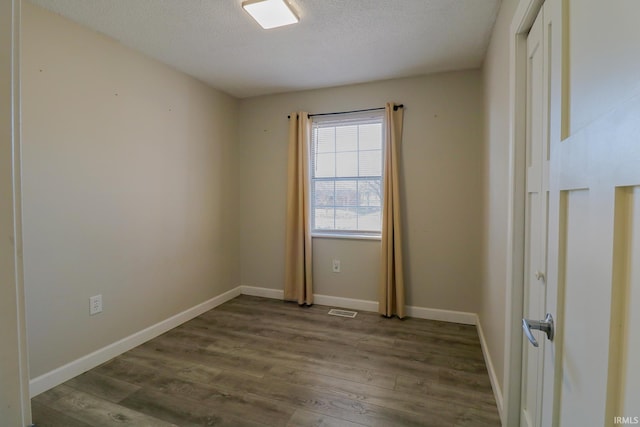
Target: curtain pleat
point(298, 284)
point(391, 289)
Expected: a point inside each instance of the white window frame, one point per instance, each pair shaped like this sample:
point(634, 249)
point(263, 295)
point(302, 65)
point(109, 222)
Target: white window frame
point(376, 116)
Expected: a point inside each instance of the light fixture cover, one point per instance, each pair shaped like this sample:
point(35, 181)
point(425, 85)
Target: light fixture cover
point(270, 13)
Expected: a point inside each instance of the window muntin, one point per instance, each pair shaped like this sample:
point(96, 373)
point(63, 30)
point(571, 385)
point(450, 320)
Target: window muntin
point(346, 174)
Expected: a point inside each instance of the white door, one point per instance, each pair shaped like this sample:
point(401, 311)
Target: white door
point(537, 186)
point(592, 367)
point(590, 375)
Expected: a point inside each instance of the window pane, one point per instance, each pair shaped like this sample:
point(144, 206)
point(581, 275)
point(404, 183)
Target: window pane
point(370, 192)
point(346, 193)
point(323, 218)
point(325, 140)
point(325, 166)
point(371, 136)
point(323, 193)
point(346, 219)
point(369, 219)
point(346, 138)
point(346, 171)
point(347, 164)
point(370, 163)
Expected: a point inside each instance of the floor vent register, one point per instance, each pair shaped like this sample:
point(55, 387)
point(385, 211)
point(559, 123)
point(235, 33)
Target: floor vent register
point(343, 313)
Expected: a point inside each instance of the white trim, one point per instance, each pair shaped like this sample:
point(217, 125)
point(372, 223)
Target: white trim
point(521, 22)
point(462, 317)
point(495, 384)
point(451, 316)
point(14, 360)
point(319, 235)
point(339, 302)
point(66, 372)
point(262, 292)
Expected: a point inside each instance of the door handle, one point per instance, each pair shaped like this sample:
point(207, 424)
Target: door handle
point(545, 326)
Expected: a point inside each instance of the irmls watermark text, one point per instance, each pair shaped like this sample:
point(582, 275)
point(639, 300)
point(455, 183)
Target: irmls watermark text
point(626, 421)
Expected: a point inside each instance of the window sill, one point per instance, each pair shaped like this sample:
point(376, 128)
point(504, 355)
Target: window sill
point(345, 236)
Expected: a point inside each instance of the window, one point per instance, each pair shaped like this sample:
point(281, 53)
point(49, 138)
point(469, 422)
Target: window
point(346, 174)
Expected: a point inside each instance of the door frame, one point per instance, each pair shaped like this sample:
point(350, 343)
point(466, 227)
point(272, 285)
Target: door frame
point(521, 23)
point(14, 389)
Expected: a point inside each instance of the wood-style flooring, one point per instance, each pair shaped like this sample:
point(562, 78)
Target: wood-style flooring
point(261, 362)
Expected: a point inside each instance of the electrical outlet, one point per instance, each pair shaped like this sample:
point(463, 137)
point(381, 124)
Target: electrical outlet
point(95, 304)
point(336, 266)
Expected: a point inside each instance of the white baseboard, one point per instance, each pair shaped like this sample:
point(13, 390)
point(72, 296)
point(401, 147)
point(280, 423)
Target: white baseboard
point(72, 369)
point(350, 303)
point(495, 385)
point(262, 292)
point(366, 305)
point(353, 304)
point(443, 315)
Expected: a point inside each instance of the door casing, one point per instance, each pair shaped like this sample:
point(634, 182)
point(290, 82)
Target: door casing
point(523, 18)
point(521, 23)
point(15, 408)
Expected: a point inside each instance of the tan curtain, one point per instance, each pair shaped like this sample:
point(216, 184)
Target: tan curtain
point(391, 290)
point(298, 275)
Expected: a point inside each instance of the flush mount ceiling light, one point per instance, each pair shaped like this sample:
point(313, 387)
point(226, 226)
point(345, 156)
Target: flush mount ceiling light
point(270, 13)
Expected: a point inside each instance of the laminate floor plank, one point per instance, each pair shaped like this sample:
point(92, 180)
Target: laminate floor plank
point(336, 352)
point(102, 413)
point(356, 374)
point(108, 388)
point(274, 339)
point(232, 411)
point(392, 399)
point(345, 325)
point(302, 418)
point(331, 404)
point(260, 362)
point(401, 398)
point(222, 359)
point(52, 395)
point(178, 369)
point(206, 391)
point(474, 363)
point(426, 368)
point(46, 416)
point(162, 381)
point(475, 396)
point(294, 333)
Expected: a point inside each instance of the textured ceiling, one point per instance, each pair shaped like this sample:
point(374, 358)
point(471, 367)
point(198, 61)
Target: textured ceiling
point(337, 42)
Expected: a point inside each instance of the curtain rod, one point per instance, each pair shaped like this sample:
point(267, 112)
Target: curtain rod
point(395, 108)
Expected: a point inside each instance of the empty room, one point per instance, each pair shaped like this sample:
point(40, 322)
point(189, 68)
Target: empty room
point(329, 213)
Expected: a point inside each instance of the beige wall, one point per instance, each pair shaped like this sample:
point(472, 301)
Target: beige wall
point(603, 73)
point(441, 160)
point(354, 280)
point(496, 182)
point(130, 191)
